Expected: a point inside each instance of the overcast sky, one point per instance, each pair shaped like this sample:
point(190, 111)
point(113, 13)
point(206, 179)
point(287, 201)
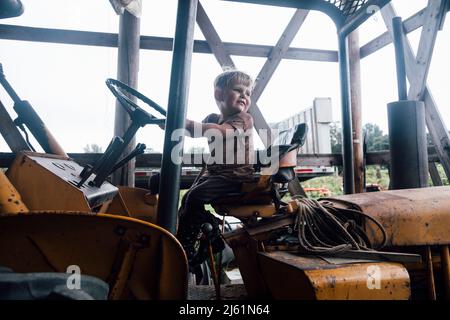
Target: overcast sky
point(65, 83)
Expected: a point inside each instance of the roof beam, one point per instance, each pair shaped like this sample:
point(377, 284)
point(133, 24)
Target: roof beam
point(224, 59)
point(272, 62)
point(212, 37)
point(102, 39)
point(434, 14)
point(412, 23)
point(278, 52)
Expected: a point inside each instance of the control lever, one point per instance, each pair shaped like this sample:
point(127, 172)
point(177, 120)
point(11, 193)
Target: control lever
point(88, 170)
point(140, 148)
point(116, 151)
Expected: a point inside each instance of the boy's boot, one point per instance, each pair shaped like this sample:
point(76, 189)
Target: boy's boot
point(188, 234)
point(215, 236)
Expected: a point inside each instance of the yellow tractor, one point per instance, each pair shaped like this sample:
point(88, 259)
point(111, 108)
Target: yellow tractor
point(64, 226)
point(56, 214)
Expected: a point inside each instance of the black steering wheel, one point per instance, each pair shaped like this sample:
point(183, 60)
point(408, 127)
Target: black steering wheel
point(120, 91)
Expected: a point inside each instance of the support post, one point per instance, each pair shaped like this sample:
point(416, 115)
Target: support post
point(407, 144)
point(435, 124)
point(347, 134)
point(407, 130)
point(356, 107)
point(169, 188)
point(127, 72)
point(434, 174)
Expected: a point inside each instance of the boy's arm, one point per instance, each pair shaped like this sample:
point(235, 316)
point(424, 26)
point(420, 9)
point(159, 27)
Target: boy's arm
point(197, 133)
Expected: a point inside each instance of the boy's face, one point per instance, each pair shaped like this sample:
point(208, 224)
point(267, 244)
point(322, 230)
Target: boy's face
point(234, 99)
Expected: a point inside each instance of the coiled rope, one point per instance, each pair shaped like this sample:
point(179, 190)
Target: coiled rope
point(323, 228)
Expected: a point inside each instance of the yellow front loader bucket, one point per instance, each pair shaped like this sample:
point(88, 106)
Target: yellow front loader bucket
point(138, 260)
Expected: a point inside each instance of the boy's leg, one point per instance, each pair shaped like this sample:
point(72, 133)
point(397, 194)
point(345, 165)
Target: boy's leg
point(193, 214)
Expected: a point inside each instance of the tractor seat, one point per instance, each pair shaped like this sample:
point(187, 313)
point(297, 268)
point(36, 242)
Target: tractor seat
point(256, 199)
point(261, 199)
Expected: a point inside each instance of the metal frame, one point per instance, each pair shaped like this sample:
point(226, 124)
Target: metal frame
point(346, 14)
point(169, 189)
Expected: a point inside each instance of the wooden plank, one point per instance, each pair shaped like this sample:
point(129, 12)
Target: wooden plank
point(434, 174)
point(435, 124)
point(21, 33)
point(153, 160)
point(438, 131)
point(356, 109)
point(412, 23)
point(278, 52)
point(274, 59)
point(213, 39)
point(261, 125)
point(127, 72)
point(225, 60)
point(432, 21)
point(10, 132)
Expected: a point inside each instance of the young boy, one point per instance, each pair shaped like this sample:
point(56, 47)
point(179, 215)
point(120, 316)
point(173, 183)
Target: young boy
point(232, 136)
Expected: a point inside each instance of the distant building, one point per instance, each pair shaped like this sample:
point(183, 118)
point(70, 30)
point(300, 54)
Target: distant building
point(318, 117)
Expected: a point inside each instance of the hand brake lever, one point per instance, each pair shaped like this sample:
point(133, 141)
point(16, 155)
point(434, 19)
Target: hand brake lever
point(140, 148)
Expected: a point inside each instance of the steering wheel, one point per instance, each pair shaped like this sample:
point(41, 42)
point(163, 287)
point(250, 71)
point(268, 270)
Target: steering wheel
point(120, 91)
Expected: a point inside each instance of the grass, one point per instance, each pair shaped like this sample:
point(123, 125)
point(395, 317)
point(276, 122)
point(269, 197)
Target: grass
point(375, 174)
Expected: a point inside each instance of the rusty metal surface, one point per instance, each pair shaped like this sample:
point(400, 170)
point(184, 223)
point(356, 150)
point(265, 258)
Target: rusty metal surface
point(245, 249)
point(312, 278)
point(248, 211)
point(137, 201)
point(10, 200)
point(409, 216)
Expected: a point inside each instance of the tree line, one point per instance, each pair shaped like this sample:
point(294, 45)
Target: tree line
point(373, 137)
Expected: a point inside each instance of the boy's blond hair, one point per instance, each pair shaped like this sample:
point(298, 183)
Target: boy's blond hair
point(224, 80)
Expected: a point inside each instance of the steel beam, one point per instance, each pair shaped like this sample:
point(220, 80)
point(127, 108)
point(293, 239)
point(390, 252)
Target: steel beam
point(10, 132)
point(169, 189)
point(347, 132)
point(364, 13)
